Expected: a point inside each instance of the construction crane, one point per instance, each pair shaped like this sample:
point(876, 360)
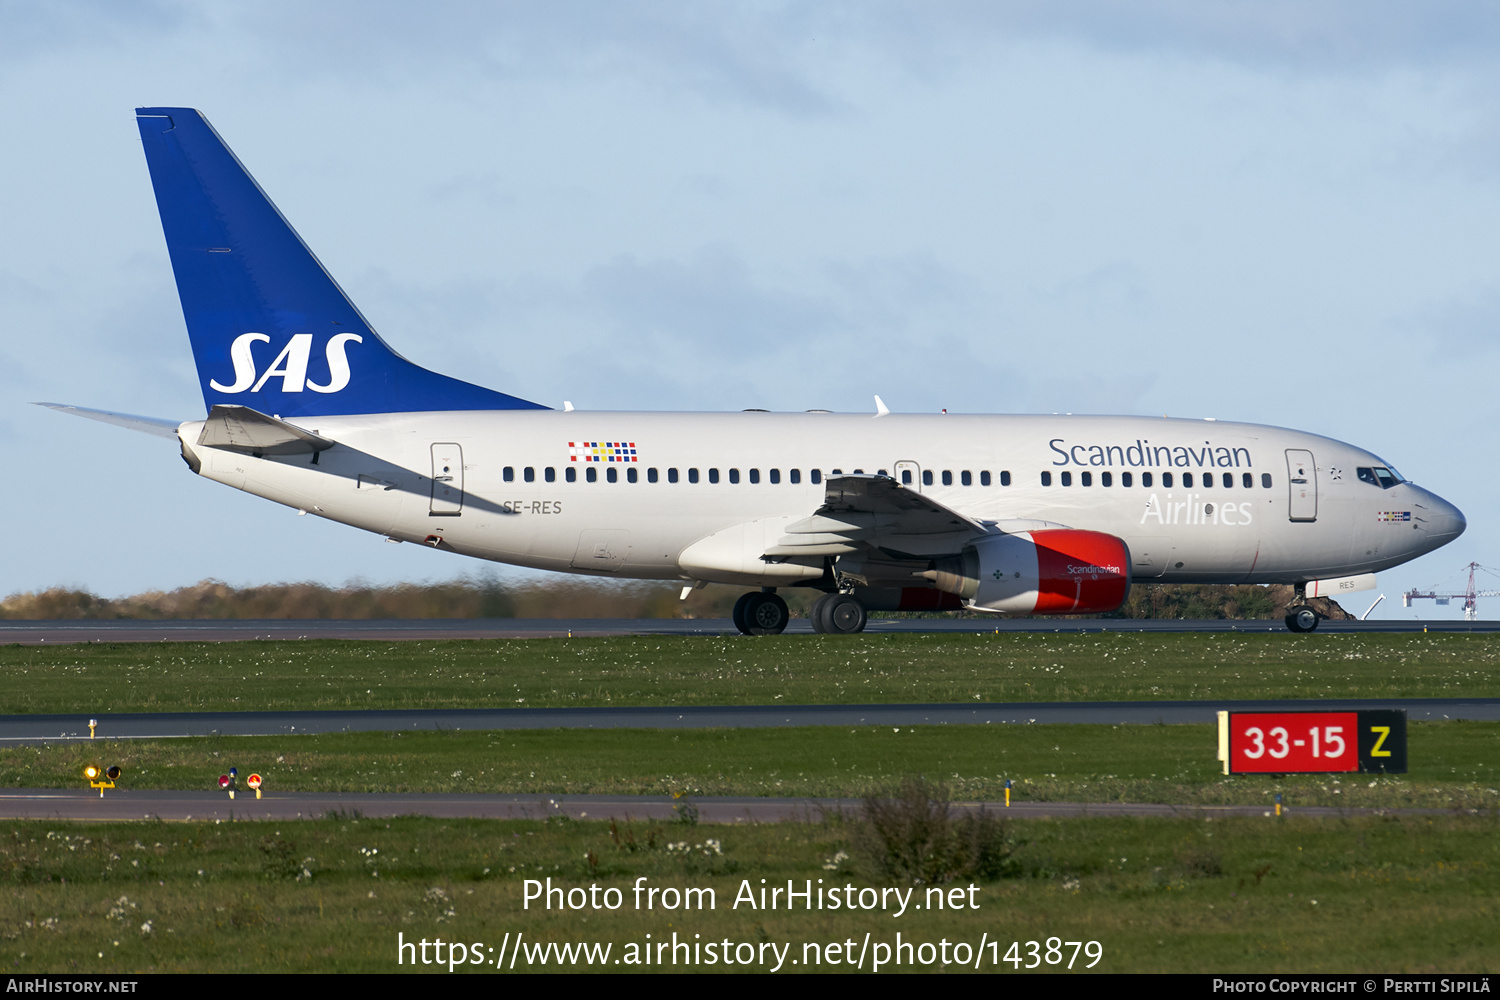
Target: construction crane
point(1470, 596)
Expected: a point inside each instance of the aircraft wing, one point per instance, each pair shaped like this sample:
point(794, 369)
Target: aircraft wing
point(861, 511)
point(146, 425)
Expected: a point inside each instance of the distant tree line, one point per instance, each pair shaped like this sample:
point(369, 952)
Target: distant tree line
point(565, 597)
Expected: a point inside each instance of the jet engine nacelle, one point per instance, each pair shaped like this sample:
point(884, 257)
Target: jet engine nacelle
point(1061, 571)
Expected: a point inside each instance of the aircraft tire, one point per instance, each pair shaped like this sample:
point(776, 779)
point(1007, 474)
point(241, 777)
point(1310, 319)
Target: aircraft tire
point(766, 614)
point(741, 621)
point(1302, 619)
point(815, 614)
point(844, 614)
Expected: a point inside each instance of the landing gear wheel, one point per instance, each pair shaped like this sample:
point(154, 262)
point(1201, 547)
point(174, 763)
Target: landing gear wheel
point(844, 615)
point(759, 613)
point(766, 614)
point(1302, 619)
point(815, 613)
point(740, 621)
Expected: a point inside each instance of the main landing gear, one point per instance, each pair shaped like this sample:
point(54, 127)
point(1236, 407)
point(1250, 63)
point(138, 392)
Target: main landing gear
point(761, 612)
point(838, 614)
point(1302, 618)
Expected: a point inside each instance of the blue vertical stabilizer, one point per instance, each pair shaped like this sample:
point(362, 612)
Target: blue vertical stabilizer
point(270, 328)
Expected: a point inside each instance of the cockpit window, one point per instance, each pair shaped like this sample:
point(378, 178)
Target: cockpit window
point(1379, 476)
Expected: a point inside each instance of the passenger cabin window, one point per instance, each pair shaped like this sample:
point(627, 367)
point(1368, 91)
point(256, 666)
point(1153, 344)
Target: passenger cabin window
point(671, 475)
point(984, 478)
point(1166, 480)
point(926, 477)
point(508, 474)
point(1246, 481)
point(1086, 478)
point(906, 479)
point(592, 474)
point(775, 476)
point(612, 474)
point(529, 474)
point(814, 476)
point(734, 475)
point(631, 475)
point(550, 475)
point(1127, 479)
point(1005, 479)
point(1146, 478)
point(651, 475)
point(1046, 479)
point(794, 476)
point(755, 475)
point(966, 477)
point(1106, 479)
point(947, 478)
point(571, 474)
point(1187, 480)
point(692, 475)
point(713, 475)
point(1228, 480)
point(1067, 479)
point(1265, 480)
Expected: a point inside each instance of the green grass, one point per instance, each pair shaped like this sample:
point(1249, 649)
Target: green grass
point(1453, 764)
point(1407, 894)
point(708, 670)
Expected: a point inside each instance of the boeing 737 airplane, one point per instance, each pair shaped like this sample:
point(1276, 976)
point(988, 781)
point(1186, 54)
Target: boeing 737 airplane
point(1016, 515)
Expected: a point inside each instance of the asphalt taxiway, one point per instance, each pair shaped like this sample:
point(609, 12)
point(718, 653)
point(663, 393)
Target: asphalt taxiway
point(38, 632)
point(170, 725)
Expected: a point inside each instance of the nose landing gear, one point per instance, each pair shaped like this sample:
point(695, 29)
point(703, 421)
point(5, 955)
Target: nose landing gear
point(1302, 619)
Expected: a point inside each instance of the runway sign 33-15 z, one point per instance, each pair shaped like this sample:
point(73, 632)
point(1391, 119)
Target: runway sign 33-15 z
point(1368, 742)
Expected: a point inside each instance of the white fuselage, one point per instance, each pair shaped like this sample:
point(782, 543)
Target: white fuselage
point(478, 483)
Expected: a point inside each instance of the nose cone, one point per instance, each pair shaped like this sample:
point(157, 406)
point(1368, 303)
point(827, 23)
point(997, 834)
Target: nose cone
point(1440, 520)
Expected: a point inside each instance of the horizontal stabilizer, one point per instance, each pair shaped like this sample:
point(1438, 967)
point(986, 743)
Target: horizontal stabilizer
point(146, 425)
point(239, 428)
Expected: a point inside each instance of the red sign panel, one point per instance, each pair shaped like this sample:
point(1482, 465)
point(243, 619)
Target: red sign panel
point(1293, 742)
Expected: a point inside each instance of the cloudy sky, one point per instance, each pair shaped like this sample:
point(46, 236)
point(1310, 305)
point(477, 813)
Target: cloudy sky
point(1273, 212)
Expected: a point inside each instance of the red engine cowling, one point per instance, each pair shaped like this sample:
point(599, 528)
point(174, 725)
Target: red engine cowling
point(1057, 571)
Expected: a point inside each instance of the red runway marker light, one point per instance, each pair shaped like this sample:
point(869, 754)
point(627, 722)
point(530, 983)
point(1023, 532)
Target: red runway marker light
point(223, 781)
point(253, 781)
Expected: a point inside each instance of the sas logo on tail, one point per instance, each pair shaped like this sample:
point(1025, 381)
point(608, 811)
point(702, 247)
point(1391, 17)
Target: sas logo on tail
point(290, 365)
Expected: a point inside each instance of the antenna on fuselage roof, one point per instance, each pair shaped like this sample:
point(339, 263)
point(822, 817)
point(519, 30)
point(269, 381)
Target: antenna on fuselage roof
point(567, 406)
point(881, 410)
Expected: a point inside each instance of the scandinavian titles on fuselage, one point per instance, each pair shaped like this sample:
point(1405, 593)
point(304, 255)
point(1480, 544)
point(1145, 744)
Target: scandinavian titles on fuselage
point(1144, 455)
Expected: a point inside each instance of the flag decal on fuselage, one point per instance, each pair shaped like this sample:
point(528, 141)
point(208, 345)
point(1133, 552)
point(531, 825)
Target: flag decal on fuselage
point(601, 451)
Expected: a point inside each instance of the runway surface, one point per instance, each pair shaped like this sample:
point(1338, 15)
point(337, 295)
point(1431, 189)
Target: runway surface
point(168, 725)
point(131, 805)
point(539, 628)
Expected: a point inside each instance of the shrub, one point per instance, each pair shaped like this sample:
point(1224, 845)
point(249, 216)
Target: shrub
point(909, 834)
